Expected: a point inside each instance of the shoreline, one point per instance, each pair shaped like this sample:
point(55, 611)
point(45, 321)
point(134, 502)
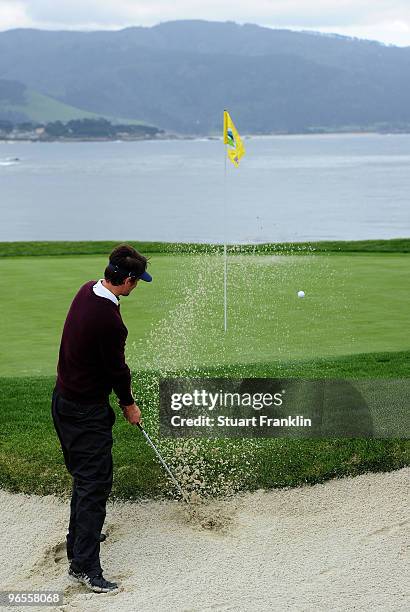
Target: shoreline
point(179, 137)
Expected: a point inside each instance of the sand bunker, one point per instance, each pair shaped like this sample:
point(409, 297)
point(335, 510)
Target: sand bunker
point(337, 546)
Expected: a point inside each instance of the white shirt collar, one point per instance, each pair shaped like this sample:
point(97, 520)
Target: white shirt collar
point(102, 291)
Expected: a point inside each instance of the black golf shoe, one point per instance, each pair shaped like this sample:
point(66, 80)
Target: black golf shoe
point(97, 584)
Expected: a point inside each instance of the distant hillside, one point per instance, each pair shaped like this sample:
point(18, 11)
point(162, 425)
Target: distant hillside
point(180, 75)
point(17, 103)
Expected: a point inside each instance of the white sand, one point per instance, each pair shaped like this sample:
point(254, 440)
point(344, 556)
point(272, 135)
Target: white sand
point(337, 546)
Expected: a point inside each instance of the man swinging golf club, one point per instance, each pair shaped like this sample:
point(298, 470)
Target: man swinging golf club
point(91, 364)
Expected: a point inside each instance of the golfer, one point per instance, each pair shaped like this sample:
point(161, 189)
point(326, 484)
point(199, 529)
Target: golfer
point(91, 364)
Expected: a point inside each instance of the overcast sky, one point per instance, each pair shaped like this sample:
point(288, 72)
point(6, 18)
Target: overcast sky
point(385, 20)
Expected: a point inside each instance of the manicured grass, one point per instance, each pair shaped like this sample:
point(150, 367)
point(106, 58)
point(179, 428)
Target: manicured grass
point(354, 304)
point(31, 460)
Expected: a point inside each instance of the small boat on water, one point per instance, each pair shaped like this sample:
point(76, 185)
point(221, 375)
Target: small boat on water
point(9, 161)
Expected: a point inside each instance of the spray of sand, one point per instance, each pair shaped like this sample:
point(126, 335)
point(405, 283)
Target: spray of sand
point(189, 342)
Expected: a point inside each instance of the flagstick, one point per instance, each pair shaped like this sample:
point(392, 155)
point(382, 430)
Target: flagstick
point(225, 251)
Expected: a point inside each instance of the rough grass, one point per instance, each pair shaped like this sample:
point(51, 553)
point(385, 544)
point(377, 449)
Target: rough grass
point(31, 460)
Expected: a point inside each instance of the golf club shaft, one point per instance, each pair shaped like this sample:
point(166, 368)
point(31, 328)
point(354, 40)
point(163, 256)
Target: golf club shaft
point(158, 454)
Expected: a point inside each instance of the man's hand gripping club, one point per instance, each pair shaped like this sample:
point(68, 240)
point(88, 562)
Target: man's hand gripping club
point(132, 413)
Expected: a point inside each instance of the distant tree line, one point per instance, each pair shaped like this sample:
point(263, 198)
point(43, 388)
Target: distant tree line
point(7, 126)
point(98, 128)
point(80, 128)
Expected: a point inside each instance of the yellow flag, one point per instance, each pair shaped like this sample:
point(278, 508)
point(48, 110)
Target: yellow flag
point(232, 139)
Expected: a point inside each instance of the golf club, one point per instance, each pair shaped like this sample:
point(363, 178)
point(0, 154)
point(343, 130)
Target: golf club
point(158, 454)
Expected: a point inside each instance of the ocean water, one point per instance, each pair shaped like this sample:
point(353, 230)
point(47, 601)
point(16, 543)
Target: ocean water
point(289, 188)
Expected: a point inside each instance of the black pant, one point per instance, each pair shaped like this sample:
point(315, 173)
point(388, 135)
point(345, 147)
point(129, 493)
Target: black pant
point(85, 433)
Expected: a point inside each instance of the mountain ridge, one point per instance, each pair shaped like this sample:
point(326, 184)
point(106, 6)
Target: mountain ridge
point(179, 76)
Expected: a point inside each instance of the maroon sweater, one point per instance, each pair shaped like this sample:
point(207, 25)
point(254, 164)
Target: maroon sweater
point(91, 361)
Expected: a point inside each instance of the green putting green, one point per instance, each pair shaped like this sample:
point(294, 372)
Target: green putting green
point(355, 303)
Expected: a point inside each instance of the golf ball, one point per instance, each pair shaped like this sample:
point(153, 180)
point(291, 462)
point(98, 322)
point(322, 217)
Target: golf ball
point(301, 294)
